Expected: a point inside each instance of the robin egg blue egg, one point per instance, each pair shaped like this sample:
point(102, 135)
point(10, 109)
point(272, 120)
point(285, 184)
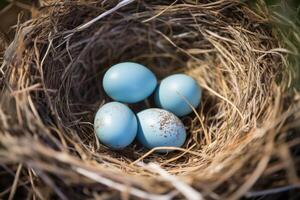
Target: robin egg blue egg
point(160, 128)
point(129, 82)
point(115, 125)
point(176, 92)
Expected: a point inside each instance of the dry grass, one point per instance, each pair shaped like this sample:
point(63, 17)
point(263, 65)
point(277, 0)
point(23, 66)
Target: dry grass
point(241, 134)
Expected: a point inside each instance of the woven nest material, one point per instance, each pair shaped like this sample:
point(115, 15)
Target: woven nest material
point(239, 139)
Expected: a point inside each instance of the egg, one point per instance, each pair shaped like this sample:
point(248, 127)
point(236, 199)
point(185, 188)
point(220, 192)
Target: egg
point(160, 128)
point(176, 92)
point(115, 125)
point(129, 82)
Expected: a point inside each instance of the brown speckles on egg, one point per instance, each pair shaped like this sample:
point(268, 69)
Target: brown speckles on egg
point(99, 123)
point(160, 128)
point(167, 124)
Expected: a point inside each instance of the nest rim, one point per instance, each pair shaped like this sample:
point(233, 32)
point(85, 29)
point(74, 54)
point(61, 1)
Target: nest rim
point(60, 104)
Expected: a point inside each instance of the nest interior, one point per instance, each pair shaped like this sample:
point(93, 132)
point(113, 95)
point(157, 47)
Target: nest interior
point(52, 89)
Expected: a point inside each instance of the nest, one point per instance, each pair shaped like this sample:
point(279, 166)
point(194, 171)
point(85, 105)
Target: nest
point(239, 138)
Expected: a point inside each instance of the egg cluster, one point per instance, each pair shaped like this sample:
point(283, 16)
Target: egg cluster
point(117, 126)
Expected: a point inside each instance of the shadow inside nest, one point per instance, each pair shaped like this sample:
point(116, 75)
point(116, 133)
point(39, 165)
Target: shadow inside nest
point(73, 68)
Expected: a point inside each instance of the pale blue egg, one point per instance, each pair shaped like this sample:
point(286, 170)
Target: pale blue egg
point(129, 82)
point(160, 128)
point(115, 125)
point(176, 92)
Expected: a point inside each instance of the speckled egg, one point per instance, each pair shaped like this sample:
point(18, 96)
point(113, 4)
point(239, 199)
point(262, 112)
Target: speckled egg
point(174, 93)
point(129, 82)
point(115, 125)
point(160, 128)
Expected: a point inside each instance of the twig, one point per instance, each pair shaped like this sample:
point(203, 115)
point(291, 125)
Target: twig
point(14, 186)
point(189, 192)
point(123, 188)
point(89, 23)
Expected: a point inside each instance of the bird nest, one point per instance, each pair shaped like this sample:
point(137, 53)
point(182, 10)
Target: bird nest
point(238, 138)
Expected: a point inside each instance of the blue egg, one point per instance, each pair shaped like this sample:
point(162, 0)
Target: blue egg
point(115, 125)
point(129, 82)
point(175, 92)
point(160, 128)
